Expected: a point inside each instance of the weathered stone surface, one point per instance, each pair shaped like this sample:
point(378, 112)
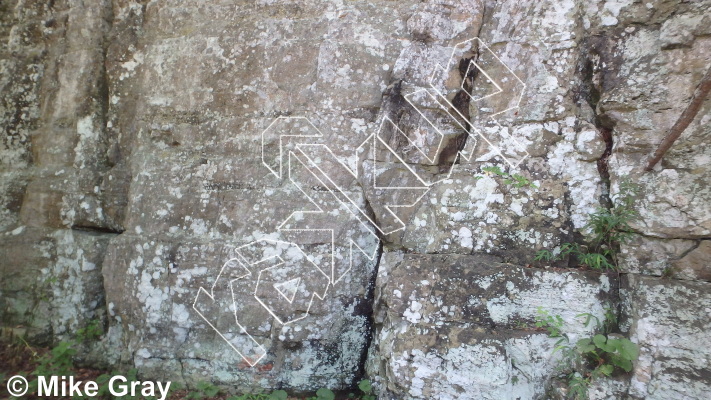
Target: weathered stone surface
point(60, 288)
point(600, 388)
point(670, 322)
point(658, 78)
point(608, 389)
point(25, 252)
point(652, 256)
point(151, 306)
point(463, 326)
point(76, 281)
point(13, 187)
point(696, 264)
point(131, 169)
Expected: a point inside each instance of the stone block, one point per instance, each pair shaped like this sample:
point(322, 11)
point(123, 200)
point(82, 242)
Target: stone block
point(669, 321)
point(436, 314)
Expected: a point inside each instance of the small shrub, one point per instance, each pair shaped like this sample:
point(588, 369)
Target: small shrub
point(58, 362)
point(278, 395)
point(324, 394)
point(92, 331)
point(603, 354)
point(202, 390)
point(578, 386)
point(607, 353)
point(544, 255)
point(366, 387)
point(495, 170)
point(552, 323)
point(609, 227)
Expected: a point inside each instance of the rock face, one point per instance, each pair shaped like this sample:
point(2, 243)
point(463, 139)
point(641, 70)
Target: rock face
point(670, 322)
point(461, 326)
point(297, 194)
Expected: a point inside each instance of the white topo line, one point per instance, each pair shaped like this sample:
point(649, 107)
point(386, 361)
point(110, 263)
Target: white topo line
point(311, 139)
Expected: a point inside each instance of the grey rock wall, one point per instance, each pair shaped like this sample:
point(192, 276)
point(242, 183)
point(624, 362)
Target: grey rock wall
point(131, 173)
point(463, 326)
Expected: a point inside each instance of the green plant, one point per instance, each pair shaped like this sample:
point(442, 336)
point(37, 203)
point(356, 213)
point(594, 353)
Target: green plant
point(597, 261)
point(521, 324)
point(519, 181)
point(58, 362)
point(607, 353)
point(131, 376)
point(578, 386)
point(668, 272)
point(514, 180)
point(544, 255)
point(495, 170)
point(92, 331)
point(589, 318)
point(603, 354)
point(278, 395)
point(202, 390)
point(366, 387)
point(248, 397)
point(609, 227)
point(552, 323)
point(103, 382)
point(324, 394)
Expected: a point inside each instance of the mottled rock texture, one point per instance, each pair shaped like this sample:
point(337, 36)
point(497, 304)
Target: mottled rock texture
point(461, 326)
point(670, 321)
point(131, 173)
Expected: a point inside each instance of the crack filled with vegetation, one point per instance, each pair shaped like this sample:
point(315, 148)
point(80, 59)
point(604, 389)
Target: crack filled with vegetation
point(610, 227)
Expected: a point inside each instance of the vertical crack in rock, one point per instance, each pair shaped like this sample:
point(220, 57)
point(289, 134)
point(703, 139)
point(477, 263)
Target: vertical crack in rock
point(595, 53)
point(598, 67)
point(603, 165)
point(394, 107)
point(461, 102)
point(104, 166)
point(104, 97)
point(369, 302)
point(103, 91)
